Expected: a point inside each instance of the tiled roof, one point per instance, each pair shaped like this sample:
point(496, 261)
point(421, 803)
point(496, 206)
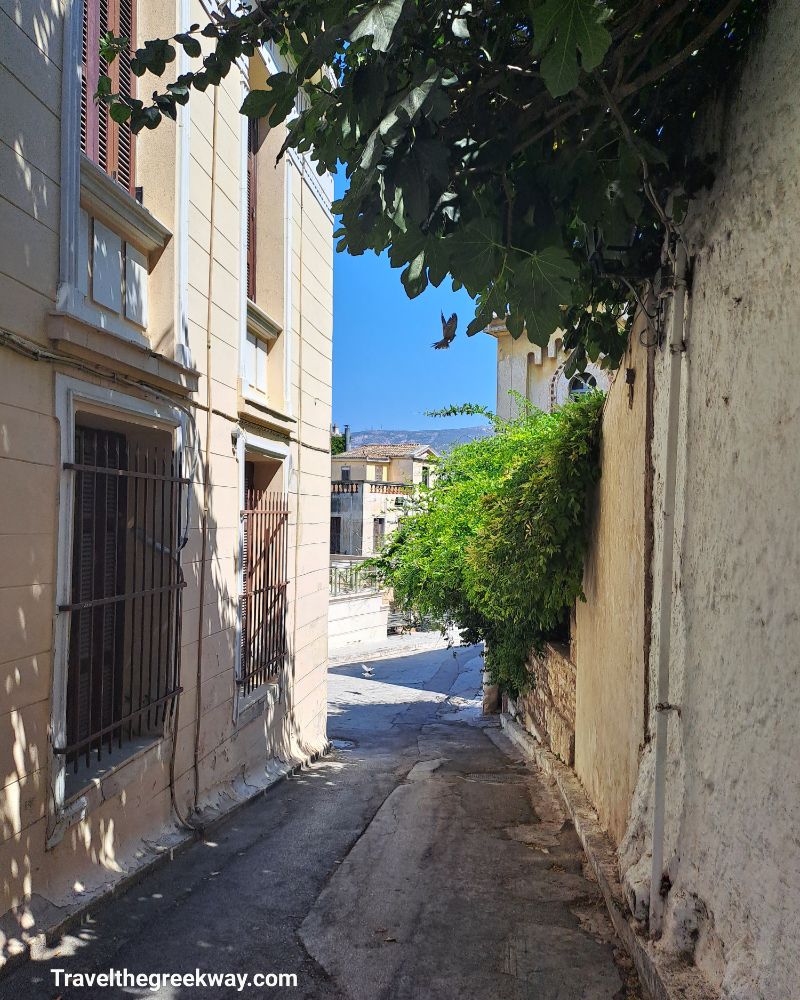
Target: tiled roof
point(410, 449)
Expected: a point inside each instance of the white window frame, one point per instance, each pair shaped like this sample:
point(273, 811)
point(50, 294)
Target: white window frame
point(255, 364)
point(73, 395)
point(79, 177)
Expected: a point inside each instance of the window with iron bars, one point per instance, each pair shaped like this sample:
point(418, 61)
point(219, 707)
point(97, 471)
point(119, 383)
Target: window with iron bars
point(265, 529)
point(125, 607)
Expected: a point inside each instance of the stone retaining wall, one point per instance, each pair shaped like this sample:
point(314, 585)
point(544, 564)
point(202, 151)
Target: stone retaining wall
point(548, 708)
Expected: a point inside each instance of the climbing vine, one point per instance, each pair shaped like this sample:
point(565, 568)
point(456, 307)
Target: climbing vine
point(496, 545)
point(525, 148)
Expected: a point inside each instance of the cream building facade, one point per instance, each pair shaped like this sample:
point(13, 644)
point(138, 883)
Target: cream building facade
point(370, 489)
point(536, 373)
point(165, 403)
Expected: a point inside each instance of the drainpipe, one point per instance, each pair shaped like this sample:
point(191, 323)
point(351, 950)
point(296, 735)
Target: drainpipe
point(206, 455)
point(663, 706)
point(299, 475)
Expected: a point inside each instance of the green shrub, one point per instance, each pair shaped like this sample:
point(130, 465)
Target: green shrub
point(496, 545)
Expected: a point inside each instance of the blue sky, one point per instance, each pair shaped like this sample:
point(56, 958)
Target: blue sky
point(385, 372)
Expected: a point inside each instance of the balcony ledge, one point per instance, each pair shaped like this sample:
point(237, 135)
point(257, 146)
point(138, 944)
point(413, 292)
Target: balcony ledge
point(96, 345)
point(257, 411)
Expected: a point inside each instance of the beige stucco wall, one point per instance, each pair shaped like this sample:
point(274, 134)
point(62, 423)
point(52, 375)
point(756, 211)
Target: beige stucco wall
point(354, 619)
point(132, 808)
point(396, 470)
point(608, 633)
point(733, 791)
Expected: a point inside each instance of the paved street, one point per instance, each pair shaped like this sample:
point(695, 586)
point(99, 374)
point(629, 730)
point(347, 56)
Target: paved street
point(421, 859)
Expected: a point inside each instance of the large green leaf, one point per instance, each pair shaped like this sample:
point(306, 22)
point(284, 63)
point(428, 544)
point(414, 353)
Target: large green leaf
point(475, 253)
point(401, 115)
point(543, 285)
point(561, 28)
point(422, 168)
point(379, 21)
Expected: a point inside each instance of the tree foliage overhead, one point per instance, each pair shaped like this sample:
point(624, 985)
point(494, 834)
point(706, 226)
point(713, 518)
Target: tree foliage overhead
point(496, 545)
point(525, 148)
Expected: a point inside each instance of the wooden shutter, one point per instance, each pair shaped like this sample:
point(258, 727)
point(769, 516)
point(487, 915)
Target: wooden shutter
point(123, 145)
point(252, 149)
point(107, 144)
point(336, 534)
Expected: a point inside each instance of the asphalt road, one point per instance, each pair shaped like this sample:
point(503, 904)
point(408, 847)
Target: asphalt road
point(421, 859)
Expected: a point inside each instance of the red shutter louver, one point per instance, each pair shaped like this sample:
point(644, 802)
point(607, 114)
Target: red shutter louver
point(107, 144)
point(252, 149)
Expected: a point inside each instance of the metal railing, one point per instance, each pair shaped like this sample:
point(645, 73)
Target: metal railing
point(265, 574)
point(349, 575)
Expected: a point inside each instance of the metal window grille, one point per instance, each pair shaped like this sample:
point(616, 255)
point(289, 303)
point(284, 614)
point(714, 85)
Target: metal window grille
point(124, 636)
point(264, 571)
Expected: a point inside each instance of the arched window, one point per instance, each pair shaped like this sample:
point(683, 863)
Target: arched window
point(580, 384)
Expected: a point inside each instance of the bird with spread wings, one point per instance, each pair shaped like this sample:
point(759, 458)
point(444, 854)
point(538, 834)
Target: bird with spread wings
point(448, 332)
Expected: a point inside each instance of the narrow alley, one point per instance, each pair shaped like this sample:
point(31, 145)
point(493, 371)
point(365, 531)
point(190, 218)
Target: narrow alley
point(421, 858)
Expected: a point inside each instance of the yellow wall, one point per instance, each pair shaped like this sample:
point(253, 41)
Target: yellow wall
point(608, 645)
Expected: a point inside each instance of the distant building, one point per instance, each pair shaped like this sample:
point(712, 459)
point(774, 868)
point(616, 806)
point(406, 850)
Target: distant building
point(537, 373)
point(370, 487)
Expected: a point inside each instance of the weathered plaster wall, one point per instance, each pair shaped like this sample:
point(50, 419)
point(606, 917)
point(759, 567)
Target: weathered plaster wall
point(359, 618)
point(733, 800)
point(609, 626)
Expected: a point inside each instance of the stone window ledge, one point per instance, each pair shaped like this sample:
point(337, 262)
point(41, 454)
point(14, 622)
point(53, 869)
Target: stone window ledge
point(254, 409)
point(261, 323)
point(104, 199)
point(107, 786)
point(252, 706)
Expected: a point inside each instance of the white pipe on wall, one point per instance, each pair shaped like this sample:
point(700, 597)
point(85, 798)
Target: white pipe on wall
point(676, 348)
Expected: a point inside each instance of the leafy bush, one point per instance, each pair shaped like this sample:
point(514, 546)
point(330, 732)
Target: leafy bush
point(496, 545)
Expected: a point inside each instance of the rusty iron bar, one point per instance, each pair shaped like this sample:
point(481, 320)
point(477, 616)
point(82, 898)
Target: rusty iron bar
point(263, 603)
point(126, 593)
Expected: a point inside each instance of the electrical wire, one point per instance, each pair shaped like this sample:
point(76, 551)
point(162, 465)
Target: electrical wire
point(34, 352)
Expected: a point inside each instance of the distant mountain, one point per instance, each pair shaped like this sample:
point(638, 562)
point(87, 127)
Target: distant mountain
point(440, 440)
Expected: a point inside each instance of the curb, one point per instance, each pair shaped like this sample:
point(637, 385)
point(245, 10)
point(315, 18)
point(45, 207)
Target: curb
point(350, 654)
point(36, 944)
point(664, 977)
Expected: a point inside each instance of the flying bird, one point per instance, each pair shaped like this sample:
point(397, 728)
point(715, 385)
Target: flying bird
point(448, 332)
